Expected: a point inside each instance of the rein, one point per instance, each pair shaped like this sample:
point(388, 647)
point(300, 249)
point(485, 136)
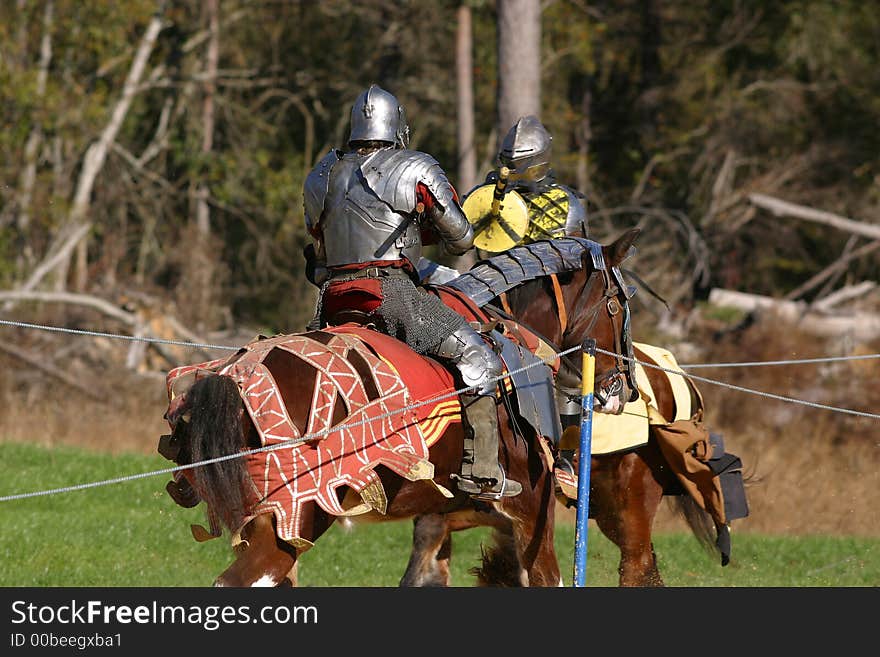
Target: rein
point(610, 300)
point(560, 302)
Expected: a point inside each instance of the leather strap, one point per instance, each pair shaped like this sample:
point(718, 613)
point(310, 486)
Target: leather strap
point(369, 272)
point(560, 302)
point(504, 303)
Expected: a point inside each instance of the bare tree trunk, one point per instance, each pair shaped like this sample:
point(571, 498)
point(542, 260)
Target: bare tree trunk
point(467, 155)
point(35, 139)
point(203, 213)
point(650, 41)
point(96, 154)
point(21, 36)
point(519, 62)
point(199, 270)
point(584, 134)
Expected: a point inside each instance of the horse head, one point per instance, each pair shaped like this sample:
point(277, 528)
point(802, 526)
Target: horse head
point(208, 422)
point(594, 302)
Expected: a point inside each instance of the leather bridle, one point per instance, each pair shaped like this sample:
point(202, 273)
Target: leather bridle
point(614, 301)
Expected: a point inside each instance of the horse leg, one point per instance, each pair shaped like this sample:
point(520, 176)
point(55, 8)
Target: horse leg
point(533, 536)
point(500, 565)
point(293, 575)
point(627, 498)
point(431, 551)
point(261, 558)
point(539, 557)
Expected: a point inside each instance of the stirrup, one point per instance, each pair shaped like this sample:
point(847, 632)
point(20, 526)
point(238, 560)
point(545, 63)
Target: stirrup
point(489, 491)
point(566, 478)
point(564, 466)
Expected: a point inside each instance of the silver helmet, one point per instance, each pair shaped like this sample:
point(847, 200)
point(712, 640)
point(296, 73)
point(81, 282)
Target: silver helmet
point(377, 116)
point(526, 148)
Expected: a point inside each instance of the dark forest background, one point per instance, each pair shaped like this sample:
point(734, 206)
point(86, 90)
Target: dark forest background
point(153, 153)
point(666, 114)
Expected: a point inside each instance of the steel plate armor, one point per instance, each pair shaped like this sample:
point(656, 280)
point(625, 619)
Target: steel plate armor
point(365, 205)
point(527, 144)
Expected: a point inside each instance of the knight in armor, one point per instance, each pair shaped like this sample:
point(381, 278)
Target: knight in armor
point(368, 210)
point(555, 210)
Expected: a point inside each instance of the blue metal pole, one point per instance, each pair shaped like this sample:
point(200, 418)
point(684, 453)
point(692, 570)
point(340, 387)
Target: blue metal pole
point(588, 373)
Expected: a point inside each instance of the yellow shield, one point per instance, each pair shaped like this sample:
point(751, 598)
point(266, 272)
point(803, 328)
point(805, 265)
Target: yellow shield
point(496, 233)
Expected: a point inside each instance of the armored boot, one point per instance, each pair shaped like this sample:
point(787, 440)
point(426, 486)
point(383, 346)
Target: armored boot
point(481, 474)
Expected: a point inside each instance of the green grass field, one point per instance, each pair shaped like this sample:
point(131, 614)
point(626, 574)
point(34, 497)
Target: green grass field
point(132, 534)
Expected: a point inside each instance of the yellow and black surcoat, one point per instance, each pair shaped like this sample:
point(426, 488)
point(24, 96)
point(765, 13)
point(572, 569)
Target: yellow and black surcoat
point(554, 210)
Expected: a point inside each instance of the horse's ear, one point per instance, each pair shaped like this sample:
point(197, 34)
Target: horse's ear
point(619, 249)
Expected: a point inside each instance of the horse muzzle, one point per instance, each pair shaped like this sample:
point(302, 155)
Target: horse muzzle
point(612, 395)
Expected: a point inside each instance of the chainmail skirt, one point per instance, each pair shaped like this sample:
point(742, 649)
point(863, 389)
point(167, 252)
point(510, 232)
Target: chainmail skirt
point(415, 316)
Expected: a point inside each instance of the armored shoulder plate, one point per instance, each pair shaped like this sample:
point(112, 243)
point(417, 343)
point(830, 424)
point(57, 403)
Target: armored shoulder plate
point(498, 274)
point(394, 173)
point(577, 212)
point(316, 186)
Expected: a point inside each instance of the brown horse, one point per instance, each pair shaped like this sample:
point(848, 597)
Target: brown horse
point(279, 496)
point(625, 487)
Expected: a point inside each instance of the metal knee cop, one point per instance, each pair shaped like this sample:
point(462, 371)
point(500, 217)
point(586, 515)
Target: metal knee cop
point(479, 366)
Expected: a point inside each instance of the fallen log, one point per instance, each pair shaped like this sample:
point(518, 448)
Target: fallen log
point(822, 321)
point(785, 209)
point(89, 300)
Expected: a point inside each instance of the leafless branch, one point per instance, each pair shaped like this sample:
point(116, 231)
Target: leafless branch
point(838, 265)
point(785, 209)
point(89, 300)
point(40, 364)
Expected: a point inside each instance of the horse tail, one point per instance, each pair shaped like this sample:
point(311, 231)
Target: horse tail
point(699, 522)
point(215, 430)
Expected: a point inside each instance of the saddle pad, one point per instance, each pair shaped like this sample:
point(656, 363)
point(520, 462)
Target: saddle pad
point(614, 433)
